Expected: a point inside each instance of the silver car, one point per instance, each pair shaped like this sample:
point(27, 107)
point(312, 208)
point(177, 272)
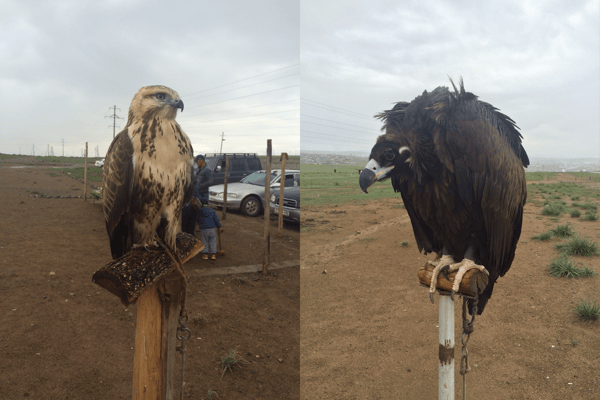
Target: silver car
point(248, 195)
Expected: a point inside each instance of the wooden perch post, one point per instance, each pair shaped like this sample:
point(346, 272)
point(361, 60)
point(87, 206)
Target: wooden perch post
point(149, 276)
point(85, 173)
point(225, 188)
point(267, 210)
point(472, 284)
point(284, 156)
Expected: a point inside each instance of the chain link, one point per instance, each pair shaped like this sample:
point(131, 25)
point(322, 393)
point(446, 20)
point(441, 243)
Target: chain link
point(468, 327)
point(183, 334)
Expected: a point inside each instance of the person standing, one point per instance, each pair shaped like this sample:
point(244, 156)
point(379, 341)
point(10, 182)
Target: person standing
point(209, 222)
point(203, 179)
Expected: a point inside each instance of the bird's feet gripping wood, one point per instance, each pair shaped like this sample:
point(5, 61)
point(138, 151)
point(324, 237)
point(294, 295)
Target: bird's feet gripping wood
point(438, 264)
point(461, 268)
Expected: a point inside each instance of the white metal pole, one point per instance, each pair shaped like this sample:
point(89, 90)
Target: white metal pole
point(446, 349)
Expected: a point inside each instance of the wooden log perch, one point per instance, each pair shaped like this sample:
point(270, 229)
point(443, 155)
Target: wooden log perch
point(127, 277)
point(472, 284)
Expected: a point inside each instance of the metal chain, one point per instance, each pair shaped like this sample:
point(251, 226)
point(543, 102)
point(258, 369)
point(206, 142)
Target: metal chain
point(183, 334)
point(468, 327)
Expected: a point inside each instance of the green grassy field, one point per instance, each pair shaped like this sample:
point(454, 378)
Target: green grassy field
point(94, 174)
point(53, 159)
point(322, 186)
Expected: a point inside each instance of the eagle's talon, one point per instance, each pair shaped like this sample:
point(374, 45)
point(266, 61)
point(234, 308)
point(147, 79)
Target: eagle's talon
point(452, 294)
point(431, 297)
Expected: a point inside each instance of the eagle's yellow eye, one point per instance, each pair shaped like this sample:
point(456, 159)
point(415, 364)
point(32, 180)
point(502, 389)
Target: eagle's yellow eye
point(160, 96)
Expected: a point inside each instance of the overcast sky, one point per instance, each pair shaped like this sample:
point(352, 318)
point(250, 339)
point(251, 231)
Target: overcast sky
point(63, 64)
point(537, 61)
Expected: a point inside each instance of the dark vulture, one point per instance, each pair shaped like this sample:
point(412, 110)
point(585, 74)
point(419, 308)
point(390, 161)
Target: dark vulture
point(148, 174)
point(459, 165)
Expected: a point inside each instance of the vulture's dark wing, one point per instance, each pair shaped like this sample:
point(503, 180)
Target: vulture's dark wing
point(426, 240)
point(117, 181)
point(483, 150)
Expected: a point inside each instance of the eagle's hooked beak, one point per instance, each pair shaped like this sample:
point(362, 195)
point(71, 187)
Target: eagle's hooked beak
point(179, 104)
point(371, 174)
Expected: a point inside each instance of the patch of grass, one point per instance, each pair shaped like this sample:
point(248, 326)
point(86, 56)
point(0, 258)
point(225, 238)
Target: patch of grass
point(94, 174)
point(553, 209)
point(543, 236)
point(575, 213)
point(562, 231)
point(589, 206)
point(564, 266)
point(368, 239)
point(211, 394)
point(573, 198)
point(579, 246)
point(231, 361)
point(590, 215)
point(399, 206)
point(404, 244)
point(587, 311)
point(539, 176)
point(574, 342)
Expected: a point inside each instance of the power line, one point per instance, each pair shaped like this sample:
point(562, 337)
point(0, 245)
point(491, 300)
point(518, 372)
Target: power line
point(241, 80)
point(332, 108)
point(337, 136)
point(237, 109)
point(330, 120)
point(114, 117)
point(253, 115)
point(332, 140)
point(242, 97)
point(196, 123)
point(243, 87)
point(335, 127)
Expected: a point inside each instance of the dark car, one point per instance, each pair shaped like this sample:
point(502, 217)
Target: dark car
point(241, 166)
point(291, 203)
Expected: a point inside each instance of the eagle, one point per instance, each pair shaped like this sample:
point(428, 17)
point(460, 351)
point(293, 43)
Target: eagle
point(458, 164)
point(148, 175)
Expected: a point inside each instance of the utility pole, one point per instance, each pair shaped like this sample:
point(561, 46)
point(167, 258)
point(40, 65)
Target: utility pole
point(114, 117)
point(222, 140)
point(63, 142)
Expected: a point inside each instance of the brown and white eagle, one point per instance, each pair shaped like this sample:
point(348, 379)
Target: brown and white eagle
point(148, 174)
point(458, 164)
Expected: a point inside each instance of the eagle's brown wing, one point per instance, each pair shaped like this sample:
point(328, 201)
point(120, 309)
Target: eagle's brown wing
point(117, 181)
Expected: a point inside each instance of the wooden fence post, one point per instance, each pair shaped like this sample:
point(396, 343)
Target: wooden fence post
point(284, 156)
point(225, 188)
point(85, 173)
point(267, 210)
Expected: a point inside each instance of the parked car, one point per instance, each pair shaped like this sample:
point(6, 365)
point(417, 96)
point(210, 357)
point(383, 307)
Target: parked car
point(291, 203)
point(241, 166)
point(248, 194)
point(100, 163)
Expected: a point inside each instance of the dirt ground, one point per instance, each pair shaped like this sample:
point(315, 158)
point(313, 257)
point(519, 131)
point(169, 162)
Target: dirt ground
point(63, 337)
point(369, 331)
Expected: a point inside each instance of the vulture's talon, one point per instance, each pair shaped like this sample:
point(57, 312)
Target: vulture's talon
point(443, 271)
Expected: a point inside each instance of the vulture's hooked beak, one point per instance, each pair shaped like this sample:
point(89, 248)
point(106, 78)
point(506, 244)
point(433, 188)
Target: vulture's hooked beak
point(371, 174)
